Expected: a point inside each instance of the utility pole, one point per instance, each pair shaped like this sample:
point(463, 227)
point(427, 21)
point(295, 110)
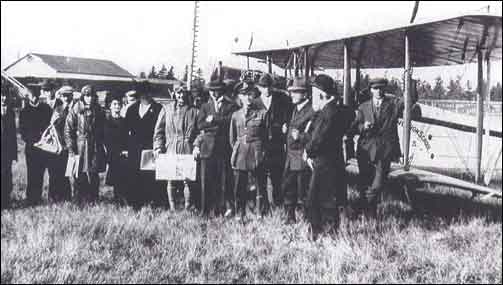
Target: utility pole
point(195, 30)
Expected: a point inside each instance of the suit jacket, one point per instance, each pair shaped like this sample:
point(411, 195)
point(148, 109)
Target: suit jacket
point(295, 148)
point(279, 113)
point(381, 141)
point(213, 138)
point(33, 121)
point(247, 134)
point(140, 131)
point(329, 127)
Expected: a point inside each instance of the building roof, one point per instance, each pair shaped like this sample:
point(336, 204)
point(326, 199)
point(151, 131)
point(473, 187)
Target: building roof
point(78, 65)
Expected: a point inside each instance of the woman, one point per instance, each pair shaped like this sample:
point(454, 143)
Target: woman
point(116, 144)
point(174, 134)
point(84, 137)
point(9, 147)
point(141, 118)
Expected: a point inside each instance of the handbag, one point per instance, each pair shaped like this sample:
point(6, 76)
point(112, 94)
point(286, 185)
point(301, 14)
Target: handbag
point(50, 141)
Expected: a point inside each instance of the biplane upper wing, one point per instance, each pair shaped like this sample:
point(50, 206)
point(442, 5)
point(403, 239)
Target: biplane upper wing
point(445, 41)
point(397, 172)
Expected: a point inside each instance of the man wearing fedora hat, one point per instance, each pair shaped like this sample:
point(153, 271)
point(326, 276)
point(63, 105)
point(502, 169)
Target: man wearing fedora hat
point(213, 149)
point(47, 91)
point(378, 143)
point(278, 108)
point(324, 154)
point(297, 172)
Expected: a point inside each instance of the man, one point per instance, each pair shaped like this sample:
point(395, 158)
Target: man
point(378, 143)
point(174, 134)
point(247, 136)
point(8, 145)
point(47, 91)
point(325, 156)
point(297, 172)
point(141, 118)
point(85, 137)
point(33, 120)
point(212, 147)
point(59, 185)
point(278, 113)
point(131, 98)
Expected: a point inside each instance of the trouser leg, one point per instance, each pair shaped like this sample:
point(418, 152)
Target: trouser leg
point(187, 194)
point(290, 190)
point(381, 169)
point(35, 167)
point(6, 183)
point(59, 185)
point(240, 191)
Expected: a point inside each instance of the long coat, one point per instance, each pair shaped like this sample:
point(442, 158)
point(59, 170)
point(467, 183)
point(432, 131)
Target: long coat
point(214, 136)
point(116, 143)
point(8, 136)
point(381, 142)
point(278, 114)
point(175, 128)
point(295, 148)
point(85, 136)
point(325, 148)
point(140, 131)
point(247, 135)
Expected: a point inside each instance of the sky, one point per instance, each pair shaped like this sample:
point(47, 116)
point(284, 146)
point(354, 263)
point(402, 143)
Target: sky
point(137, 35)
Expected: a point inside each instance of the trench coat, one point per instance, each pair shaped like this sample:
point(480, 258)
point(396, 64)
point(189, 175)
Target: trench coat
point(85, 136)
point(175, 130)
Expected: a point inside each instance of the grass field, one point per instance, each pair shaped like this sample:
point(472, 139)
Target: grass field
point(104, 243)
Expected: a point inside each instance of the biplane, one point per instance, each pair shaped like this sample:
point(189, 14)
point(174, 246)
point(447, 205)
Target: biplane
point(440, 143)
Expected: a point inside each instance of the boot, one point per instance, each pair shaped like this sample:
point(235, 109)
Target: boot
point(171, 199)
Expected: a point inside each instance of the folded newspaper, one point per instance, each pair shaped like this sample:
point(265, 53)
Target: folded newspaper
point(175, 167)
point(147, 161)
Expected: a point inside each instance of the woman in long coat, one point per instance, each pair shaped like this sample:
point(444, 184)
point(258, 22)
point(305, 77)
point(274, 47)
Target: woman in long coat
point(84, 136)
point(141, 118)
point(174, 134)
point(116, 143)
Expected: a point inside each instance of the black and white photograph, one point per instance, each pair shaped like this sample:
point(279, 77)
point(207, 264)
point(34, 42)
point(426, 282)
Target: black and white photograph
point(243, 142)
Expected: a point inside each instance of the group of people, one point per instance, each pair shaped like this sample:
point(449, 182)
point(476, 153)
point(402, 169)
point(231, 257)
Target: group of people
point(240, 136)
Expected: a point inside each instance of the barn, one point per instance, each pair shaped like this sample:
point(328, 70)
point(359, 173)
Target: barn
point(76, 71)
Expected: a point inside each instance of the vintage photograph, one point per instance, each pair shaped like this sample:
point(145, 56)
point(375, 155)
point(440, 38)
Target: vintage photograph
point(251, 142)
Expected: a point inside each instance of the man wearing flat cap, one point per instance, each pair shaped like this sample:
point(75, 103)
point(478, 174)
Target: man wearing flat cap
point(378, 143)
point(297, 172)
point(247, 135)
point(324, 154)
point(278, 108)
point(213, 149)
point(84, 138)
point(59, 185)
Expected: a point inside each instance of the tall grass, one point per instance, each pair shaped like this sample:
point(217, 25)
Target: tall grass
point(104, 243)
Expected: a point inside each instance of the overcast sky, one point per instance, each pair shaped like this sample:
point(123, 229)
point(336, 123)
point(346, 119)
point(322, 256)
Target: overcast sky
point(137, 35)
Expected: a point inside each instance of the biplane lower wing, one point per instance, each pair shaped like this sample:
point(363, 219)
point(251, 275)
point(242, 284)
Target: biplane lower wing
point(419, 176)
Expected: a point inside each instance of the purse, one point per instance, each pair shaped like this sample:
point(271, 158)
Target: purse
point(50, 141)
